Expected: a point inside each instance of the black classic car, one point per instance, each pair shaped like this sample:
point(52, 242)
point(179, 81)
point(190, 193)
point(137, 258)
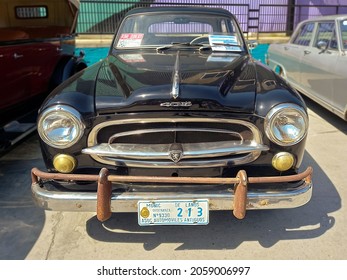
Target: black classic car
point(176, 121)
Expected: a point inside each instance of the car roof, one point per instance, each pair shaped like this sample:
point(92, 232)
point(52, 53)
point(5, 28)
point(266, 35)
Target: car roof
point(183, 9)
point(330, 17)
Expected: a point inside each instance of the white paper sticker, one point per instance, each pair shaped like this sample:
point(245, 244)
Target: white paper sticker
point(132, 58)
point(128, 40)
point(224, 43)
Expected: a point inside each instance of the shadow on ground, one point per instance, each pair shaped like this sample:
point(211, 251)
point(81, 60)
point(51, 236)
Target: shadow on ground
point(224, 231)
point(21, 222)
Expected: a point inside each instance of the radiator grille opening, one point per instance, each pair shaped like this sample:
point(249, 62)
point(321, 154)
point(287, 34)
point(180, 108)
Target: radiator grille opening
point(201, 142)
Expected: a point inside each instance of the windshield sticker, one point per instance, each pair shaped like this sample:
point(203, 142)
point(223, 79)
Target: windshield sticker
point(224, 43)
point(132, 58)
point(344, 22)
point(128, 40)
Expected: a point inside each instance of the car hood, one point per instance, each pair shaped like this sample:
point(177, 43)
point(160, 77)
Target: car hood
point(176, 80)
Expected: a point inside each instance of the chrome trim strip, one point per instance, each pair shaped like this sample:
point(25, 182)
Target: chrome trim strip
point(180, 129)
point(127, 202)
point(257, 141)
point(183, 164)
point(175, 92)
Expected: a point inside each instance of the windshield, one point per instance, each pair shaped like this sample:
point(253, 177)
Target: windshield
point(163, 30)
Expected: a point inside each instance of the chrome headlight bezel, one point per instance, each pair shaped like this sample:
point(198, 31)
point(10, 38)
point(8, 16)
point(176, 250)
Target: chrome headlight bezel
point(297, 117)
point(64, 112)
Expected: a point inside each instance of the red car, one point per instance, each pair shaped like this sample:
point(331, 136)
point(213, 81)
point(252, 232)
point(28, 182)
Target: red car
point(37, 45)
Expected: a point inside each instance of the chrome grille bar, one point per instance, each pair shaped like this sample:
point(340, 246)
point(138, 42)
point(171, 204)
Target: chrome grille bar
point(212, 153)
point(162, 151)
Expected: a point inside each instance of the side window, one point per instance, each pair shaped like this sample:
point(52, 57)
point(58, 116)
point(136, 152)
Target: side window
point(343, 28)
point(327, 33)
point(25, 12)
point(173, 27)
point(304, 36)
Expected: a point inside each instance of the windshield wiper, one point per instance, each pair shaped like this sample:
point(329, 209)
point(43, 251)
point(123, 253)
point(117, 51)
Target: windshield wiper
point(177, 44)
point(227, 44)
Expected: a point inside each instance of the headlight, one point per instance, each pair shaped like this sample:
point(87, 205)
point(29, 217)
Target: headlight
point(60, 126)
point(286, 124)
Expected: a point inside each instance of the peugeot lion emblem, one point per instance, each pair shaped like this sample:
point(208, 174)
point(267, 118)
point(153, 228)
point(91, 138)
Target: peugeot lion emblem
point(176, 152)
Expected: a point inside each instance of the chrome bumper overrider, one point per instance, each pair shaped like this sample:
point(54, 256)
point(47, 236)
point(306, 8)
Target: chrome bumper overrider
point(236, 198)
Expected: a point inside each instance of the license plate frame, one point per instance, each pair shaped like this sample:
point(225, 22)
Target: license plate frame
point(173, 212)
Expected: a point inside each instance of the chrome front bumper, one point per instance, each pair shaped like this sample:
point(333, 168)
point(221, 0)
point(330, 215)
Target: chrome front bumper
point(236, 198)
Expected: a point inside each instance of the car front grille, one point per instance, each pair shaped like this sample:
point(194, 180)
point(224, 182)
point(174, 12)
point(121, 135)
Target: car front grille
point(175, 143)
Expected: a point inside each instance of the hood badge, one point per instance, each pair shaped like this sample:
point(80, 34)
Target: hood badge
point(175, 92)
point(176, 104)
point(176, 152)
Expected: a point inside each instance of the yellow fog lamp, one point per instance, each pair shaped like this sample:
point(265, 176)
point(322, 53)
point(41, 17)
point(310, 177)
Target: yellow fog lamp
point(64, 163)
point(283, 161)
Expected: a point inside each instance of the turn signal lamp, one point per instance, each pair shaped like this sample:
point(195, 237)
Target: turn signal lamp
point(64, 163)
point(283, 161)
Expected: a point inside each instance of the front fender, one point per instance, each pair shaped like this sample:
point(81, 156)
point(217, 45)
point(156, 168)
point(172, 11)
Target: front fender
point(272, 90)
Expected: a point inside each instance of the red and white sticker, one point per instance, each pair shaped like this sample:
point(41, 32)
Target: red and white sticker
point(127, 40)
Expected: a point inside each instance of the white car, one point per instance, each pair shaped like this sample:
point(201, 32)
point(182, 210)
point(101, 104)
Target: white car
point(314, 61)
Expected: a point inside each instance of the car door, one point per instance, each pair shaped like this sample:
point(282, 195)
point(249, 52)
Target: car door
point(293, 53)
point(43, 59)
point(15, 75)
point(340, 73)
point(318, 63)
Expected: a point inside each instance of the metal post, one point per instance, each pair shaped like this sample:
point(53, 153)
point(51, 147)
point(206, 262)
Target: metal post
point(104, 192)
point(240, 194)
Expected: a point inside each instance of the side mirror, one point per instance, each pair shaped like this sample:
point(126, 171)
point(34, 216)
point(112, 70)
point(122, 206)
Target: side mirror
point(322, 45)
point(252, 44)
